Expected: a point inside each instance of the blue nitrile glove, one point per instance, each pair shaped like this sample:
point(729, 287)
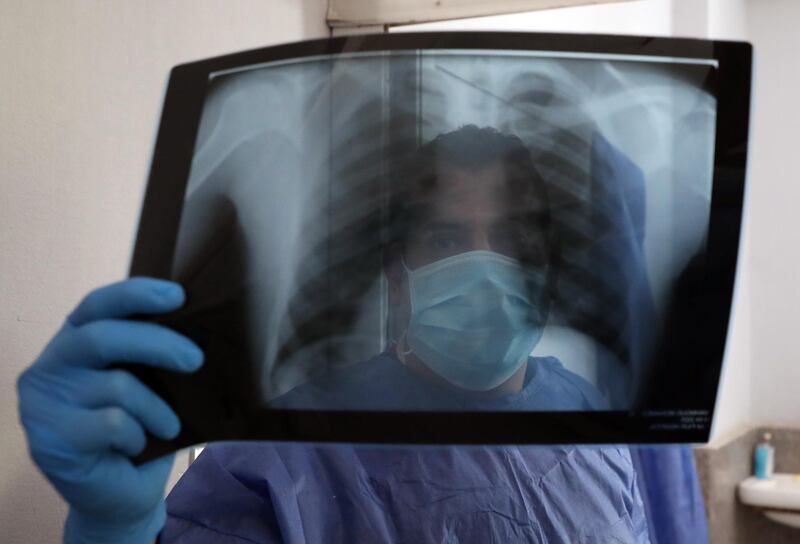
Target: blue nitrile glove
point(83, 421)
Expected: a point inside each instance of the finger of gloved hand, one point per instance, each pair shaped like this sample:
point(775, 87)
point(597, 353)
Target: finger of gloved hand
point(95, 431)
point(100, 389)
point(90, 388)
point(100, 343)
point(128, 297)
point(66, 434)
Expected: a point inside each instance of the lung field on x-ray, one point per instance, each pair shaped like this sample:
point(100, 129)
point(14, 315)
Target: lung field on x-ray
point(302, 155)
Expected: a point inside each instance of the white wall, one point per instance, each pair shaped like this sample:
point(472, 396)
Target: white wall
point(80, 98)
point(763, 362)
point(775, 221)
point(648, 17)
point(727, 19)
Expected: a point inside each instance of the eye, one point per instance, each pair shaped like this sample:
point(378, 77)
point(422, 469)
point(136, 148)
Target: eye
point(520, 242)
point(443, 242)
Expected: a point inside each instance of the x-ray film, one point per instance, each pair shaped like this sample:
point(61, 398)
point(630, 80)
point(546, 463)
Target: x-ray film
point(451, 238)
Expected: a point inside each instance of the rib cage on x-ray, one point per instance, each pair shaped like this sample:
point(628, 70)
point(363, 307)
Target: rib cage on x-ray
point(304, 153)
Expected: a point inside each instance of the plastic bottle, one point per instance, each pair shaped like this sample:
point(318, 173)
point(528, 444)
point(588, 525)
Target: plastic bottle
point(765, 458)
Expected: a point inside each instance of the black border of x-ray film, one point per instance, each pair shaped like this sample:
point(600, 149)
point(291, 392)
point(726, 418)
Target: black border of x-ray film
point(689, 386)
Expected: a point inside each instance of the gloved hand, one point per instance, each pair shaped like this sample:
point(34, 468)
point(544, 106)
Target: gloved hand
point(83, 421)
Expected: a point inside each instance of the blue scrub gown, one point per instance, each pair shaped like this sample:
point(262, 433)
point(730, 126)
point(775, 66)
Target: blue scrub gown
point(293, 493)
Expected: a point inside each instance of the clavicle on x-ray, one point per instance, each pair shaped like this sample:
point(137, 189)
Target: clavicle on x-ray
point(448, 229)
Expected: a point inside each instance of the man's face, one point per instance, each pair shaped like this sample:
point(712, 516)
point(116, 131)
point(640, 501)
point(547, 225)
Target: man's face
point(466, 210)
point(470, 210)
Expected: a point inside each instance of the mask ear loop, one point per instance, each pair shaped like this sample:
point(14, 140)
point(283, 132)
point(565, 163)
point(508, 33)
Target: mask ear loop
point(403, 341)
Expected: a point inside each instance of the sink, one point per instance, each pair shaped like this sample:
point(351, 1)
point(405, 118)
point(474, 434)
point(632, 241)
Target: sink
point(778, 497)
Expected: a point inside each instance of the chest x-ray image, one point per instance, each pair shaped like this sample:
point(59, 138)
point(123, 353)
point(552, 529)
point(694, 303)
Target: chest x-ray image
point(448, 230)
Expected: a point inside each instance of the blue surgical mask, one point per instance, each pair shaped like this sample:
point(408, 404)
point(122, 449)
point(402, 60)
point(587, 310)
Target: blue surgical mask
point(475, 317)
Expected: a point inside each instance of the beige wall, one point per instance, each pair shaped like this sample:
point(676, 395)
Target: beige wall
point(80, 96)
